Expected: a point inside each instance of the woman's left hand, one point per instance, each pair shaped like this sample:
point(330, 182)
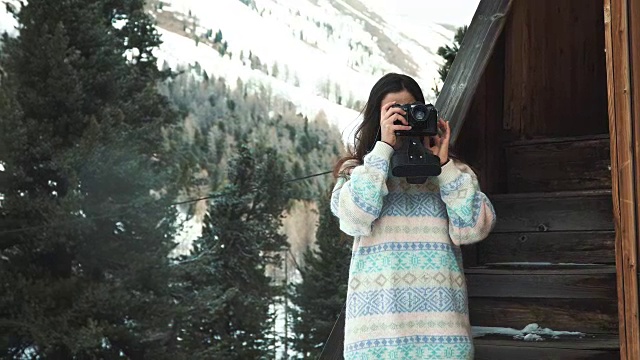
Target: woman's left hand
point(439, 144)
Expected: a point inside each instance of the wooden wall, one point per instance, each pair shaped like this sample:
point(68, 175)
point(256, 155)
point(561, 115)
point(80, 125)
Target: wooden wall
point(555, 70)
point(546, 78)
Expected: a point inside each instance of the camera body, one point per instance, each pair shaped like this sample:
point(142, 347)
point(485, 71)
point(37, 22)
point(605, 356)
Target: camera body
point(412, 160)
point(423, 119)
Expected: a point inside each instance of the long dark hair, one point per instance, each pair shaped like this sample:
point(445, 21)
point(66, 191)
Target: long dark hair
point(368, 132)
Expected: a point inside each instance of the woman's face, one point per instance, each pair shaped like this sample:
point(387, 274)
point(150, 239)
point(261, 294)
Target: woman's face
point(402, 97)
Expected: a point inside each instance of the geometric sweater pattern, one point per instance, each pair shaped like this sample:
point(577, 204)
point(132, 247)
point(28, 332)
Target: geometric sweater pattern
point(407, 294)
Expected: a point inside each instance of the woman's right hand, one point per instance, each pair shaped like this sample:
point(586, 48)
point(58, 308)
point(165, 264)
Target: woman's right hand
point(388, 115)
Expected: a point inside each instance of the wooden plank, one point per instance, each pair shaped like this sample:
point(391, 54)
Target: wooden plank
point(615, 179)
point(559, 165)
point(582, 342)
point(587, 283)
point(595, 316)
point(467, 69)
point(634, 49)
point(625, 201)
point(598, 347)
point(530, 351)
point(555, 140)
point(555, 71)
point(586, 247)
point(632, 306)
point(563, 211)
point(634, 69)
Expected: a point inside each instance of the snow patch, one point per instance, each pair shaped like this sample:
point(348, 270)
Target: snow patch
point(531, 332)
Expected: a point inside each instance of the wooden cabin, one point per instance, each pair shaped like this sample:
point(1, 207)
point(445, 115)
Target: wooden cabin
point(545, 99)
point(544, 102)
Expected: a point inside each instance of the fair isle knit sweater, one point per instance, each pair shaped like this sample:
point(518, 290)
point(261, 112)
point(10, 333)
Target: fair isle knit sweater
point(407, 295)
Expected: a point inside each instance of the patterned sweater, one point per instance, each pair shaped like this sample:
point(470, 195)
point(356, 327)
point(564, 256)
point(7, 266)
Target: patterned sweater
point(407, 295)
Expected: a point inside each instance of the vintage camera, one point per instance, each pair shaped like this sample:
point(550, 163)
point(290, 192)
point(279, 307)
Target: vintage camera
point(413, 161)
point(423, 119)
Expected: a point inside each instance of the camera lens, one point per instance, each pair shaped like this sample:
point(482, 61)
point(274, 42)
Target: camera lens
point(419, 112)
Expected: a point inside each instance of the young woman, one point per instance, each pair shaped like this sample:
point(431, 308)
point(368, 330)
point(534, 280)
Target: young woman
point(407, 296)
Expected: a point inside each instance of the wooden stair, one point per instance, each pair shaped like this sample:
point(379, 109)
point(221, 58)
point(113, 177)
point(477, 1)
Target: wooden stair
point(550, 260)
point(589, 348)
point(557, 164)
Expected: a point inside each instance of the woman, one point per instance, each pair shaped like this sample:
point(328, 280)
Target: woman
point(407, 296)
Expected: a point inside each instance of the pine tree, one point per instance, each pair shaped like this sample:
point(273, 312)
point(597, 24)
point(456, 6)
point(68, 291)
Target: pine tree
point(89, 177)
point(449, 53)
point(321, 295)
point(218, 38)
point(223, 280)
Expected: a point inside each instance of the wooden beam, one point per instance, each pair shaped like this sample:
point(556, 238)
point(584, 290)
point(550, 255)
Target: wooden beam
point(623, 171)
point(468, 67)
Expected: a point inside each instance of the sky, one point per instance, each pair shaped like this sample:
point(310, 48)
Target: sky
point(453, 12)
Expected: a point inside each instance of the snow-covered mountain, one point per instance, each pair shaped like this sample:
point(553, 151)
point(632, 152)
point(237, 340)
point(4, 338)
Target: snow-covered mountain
point(323, 55)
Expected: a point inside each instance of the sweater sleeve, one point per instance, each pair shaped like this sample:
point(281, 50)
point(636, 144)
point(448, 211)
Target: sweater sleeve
point(471, 214)
point(357, 199)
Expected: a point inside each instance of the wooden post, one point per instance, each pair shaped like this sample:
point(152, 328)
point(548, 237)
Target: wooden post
point(624, 130)
point(472, 59)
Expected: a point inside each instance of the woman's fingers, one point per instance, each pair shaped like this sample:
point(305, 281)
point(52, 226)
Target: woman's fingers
point(447, 133)
point(386, 106)
point(400, 127)
point(397, 114)
point(437, 141)
point(390, 121)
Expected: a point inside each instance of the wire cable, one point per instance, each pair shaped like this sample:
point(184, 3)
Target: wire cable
point(130, 207)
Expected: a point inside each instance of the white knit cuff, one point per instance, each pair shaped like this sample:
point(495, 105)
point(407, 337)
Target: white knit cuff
point(383, 150)
point(449, 173)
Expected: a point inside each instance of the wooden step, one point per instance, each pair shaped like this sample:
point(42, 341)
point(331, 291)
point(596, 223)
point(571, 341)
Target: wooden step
point(567, 297)
point(559, 164)
point(601, 347)
point(586, 247)
point(542, 281)
point(590, 210)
